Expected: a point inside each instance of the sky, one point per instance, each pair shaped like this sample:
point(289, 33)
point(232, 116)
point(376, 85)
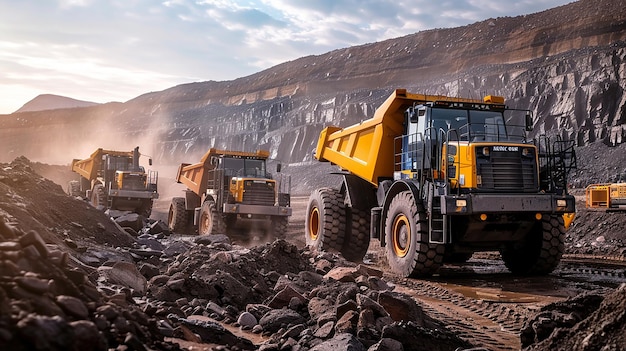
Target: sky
point(116, 50)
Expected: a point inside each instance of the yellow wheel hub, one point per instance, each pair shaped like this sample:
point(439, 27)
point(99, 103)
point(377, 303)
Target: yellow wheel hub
point(314, 223)
point(401, 235)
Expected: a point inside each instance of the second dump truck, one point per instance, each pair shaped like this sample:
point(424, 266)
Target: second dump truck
point(437, 178)
point(227, 188)
point(115, 180)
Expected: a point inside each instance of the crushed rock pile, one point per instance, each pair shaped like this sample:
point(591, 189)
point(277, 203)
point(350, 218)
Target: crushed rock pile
point(585, 322)
point(39, 204)
point(45, 304)
point(297, 299)
point(73, 279)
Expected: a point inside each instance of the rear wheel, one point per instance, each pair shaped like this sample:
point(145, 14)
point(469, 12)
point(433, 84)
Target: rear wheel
point(541, 251)
point(357, 240)
point(406, 233)
point(177, 218)
point(211, 221)
point(325, 223)
point(98, 196)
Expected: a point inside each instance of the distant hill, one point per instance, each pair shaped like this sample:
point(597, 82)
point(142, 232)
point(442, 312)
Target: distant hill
point(52, 102)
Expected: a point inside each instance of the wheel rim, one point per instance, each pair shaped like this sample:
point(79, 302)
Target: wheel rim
point(314, 223)
point(401, 235)
point(170, 217)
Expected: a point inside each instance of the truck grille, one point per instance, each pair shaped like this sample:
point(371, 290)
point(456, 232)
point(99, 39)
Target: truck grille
point(507, 171)
point(258, 193)
point(134, 182)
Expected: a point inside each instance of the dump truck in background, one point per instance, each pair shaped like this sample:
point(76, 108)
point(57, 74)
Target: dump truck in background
point(227, 189)
point(436, 179)
point(607, 196)
point(115, 180)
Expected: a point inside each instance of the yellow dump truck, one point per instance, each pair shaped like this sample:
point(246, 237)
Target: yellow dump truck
point(115, 180)
point(607, 196)
point(227, 188)
point(436, 179)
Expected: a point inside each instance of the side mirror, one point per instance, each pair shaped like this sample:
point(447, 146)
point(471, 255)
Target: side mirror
point(529, 121)
point(150, 161)
point(411, 115)
point(278, 168)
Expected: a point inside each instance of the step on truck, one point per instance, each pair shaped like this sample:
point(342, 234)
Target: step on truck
point(436, 178)
point(230, 190)
point(115, 180)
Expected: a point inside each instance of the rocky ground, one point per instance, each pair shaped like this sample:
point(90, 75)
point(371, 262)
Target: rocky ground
point(73, 279)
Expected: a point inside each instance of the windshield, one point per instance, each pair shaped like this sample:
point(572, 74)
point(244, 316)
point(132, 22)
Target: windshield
point(241, 167)
point(475, 125)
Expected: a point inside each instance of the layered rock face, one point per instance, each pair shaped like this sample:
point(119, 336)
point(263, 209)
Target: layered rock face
point(578, 95)
point(566, 65)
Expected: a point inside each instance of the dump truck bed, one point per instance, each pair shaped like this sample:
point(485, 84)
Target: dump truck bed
point(88, 168)
point(364, 149)
point(195, 176)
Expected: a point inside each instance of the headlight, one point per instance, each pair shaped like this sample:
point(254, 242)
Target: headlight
point(561, 203)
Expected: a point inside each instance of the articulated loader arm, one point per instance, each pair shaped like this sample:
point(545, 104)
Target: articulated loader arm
point(367, 149)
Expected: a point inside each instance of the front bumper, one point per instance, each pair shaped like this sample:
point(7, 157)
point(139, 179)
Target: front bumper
point(507, 203)
point(139, 194)
point(244, 209)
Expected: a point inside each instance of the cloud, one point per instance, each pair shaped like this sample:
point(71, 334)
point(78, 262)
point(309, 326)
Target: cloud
point(116, 50)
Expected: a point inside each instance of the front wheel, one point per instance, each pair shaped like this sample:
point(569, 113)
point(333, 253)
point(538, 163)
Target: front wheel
point(279, 227)
point(177, 218)
point(541, 250)
point(98, 196)
point(73, 188)
point(406, 232)
point(211, 221)
point(145, 209)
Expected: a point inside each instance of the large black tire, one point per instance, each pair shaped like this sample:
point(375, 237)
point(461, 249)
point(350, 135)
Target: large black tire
point(325, 223)
point(145, 209)
point(178, 219)
point(279, 227)
point(406, 232)
point(73, 188)
point(357, 239)
point(98, 197)
point(541, 251)
point(211, 221)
